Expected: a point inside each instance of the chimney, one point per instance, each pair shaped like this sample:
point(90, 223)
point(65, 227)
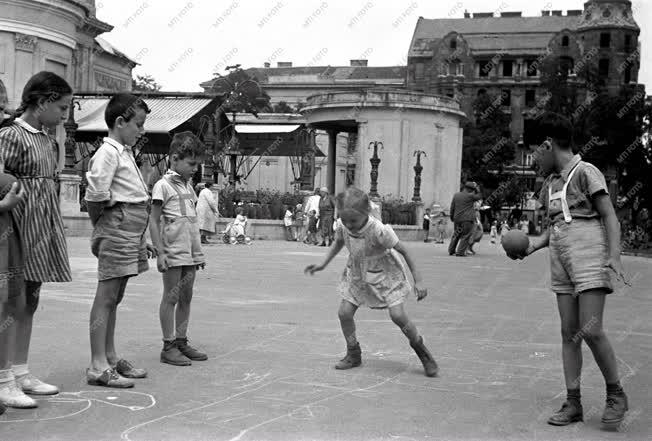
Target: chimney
point(483, 14)
point(266, 65)
point(574, 12)
point(510, 14)
point(359, 63)
point(556, 13)
point(467, 14)
point(284, 64)
point(545, 13)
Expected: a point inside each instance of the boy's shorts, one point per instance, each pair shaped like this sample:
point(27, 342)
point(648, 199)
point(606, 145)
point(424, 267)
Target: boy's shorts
point(119, 242)
point(578, 255)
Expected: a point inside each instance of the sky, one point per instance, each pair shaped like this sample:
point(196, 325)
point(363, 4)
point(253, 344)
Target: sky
point(182, 43)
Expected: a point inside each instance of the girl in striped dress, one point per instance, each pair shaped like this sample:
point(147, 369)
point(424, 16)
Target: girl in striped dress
point(29, 153)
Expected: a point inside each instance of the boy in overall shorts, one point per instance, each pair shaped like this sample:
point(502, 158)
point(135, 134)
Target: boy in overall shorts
point(584, 240)
point(175, 234)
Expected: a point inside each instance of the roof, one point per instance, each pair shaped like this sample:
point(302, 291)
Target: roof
point(323, 74)
point(166, 113)
point(110, 49)
point(491, 33)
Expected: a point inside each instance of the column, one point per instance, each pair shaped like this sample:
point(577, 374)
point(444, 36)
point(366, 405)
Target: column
point(332, 160)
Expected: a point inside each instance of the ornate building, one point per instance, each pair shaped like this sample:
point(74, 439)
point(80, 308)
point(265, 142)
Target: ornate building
point(60, 36)
point(482, 53)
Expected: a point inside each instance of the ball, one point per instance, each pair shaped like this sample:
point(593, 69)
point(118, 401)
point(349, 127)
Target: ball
point(515, 242)
point(248, 240)
point(6, 181)
point(233, 240)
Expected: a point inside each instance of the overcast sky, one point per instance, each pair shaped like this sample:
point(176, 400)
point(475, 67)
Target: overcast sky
point(183, 42)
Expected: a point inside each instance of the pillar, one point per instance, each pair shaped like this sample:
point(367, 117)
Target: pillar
point(332, 160)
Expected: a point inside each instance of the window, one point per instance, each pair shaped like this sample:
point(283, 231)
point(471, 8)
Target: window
point(530, 98)
point(605, 40)
point(485, 68)
point(350, 175)
point(603, 67)
point(459, 69)
point(508, 68)
point(566, 65)
point(418, 71)
point(628, 43)
point(506, 96)
point(628, 74)
point(565, 41)
point(528, 159)
point(532, 70)
point(453, 44)
point(482, 92)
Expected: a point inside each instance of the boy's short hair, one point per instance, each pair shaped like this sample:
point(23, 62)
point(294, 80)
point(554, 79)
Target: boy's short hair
point(557, 128)
point(123, 105)
point(186, 144)
point(355, 199)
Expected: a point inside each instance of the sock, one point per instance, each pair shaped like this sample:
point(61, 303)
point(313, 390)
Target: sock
point(573, 396)
point(615, 389)
point(167, 344)
point(6, 376)
point(20, 369)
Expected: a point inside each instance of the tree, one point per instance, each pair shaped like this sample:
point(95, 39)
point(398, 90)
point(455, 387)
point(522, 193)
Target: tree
point(283, 107)
point(241, 92)
point(487, 148)
point(145, 83)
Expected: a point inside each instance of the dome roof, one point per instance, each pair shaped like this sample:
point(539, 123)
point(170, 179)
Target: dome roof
point(607, 13)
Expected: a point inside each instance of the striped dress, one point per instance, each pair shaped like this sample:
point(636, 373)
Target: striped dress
point(29, 154)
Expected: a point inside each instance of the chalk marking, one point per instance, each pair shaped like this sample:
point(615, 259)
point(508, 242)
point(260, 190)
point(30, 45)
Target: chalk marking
point(125, 434)
point(308, 405)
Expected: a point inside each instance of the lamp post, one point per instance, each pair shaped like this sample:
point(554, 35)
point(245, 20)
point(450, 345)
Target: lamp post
point(70, 127)
point(375, 160)
point(417, 176)
point(521, 145)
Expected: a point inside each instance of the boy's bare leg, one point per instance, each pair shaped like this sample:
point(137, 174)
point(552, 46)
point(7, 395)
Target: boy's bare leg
point(106, 300)
point(591, 308)
point(571, 339)
point(111, 353)
point(182, 312)
point(24, 319)
point(171, 285)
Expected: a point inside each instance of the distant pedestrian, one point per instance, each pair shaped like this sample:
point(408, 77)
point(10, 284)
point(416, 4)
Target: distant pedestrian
point(462, 213)
point(426, 224)
point(326, 217)
point(207, 212)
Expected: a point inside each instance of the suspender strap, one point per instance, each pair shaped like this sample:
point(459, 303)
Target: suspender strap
point(183, 197)
point(568, 218)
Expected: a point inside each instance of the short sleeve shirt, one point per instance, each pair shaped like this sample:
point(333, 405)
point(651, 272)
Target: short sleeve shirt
point(168, 189)
point(376, 237)
point(587, 182)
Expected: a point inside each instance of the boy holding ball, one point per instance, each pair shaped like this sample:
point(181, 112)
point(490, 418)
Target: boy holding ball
point(583, 235)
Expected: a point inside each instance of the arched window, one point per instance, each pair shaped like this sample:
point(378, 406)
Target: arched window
point(565, 41)
point(566, 65)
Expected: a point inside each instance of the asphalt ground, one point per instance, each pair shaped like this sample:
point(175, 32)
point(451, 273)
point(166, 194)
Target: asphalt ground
point(272, 335)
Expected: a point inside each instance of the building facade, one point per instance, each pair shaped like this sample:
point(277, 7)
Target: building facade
point(293, 85)
point(502, 55)
point(61, 36)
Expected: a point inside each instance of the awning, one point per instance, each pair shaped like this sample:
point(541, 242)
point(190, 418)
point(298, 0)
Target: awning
point(265, 128)
point(166, 113)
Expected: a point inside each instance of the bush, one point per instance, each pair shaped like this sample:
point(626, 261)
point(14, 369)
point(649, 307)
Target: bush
point(397, 211)
point(261, 204)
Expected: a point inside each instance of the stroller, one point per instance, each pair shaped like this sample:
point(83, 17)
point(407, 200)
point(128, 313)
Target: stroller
point(235, 233)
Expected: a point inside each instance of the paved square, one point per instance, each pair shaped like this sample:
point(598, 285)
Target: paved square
point(272, 336)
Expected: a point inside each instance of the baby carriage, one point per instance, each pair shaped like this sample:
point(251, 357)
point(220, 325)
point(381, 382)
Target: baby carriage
point(236, 232)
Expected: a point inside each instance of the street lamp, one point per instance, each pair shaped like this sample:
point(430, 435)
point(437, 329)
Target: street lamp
point(375, 160)
point(521, 146)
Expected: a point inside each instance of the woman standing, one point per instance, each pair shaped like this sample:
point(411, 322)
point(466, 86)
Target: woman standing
point(326, 216)
point(30, 154)
point(207, 212)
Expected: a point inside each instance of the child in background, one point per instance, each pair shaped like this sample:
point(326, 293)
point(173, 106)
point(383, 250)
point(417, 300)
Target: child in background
point(288, 221)
point(178, 243)
point(494, 231)
point(12, 284)
point(440, 227)
point(584, 242)
point(299, 230)
point(374, 275)
point(426, 225)
point(237, 230)
point(311, 237)
point(504, 227)
point(524, 225)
